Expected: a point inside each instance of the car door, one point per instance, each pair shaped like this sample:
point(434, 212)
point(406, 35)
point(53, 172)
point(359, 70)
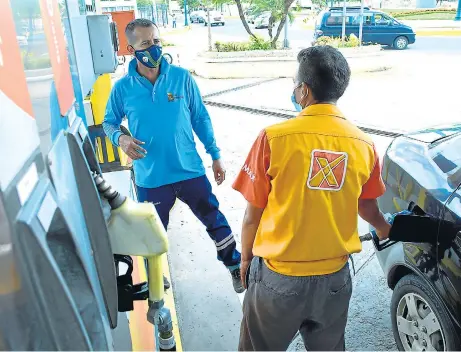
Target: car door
point(368, 28)
point(383, 31)
point(450, 262)
point(449, 252)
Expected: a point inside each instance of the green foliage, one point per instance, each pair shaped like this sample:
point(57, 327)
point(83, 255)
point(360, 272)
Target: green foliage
point(165, 43)
point(33, 62)
point(26, 9)
point(412, 12)
point(275, 7)
point(191, 4)
point(351, 42)
point(423, 14)
point(255, 43)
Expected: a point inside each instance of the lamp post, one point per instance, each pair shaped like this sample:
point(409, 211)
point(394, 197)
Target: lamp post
point(286, 43)
point(186, 20)
point(458, 12)
point(361, 24)
point(343, 34)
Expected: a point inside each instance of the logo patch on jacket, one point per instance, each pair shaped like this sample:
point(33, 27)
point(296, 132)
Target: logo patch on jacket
point(328, 170)
point(172, 97)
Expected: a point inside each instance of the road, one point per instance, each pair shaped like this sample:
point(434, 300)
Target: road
point(299, 37)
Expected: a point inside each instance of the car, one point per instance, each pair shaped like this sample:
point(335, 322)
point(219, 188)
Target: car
point(262, 21)
point(250, 16)
point(22, 40)
point(216, 18)
point(422, 173)
point(378, 27)
point(197, 16)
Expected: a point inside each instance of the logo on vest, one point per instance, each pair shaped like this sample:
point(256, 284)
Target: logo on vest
point(250, 173)
point(328, 170)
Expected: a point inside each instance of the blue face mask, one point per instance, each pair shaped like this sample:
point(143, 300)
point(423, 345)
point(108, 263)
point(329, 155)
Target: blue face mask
point(297, 106)
point(150, 57)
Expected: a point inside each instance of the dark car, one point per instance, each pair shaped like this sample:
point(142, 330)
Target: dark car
point(378, 27)
point(422, 173)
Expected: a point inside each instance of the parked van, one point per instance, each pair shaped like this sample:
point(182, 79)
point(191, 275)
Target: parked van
point(378, 27)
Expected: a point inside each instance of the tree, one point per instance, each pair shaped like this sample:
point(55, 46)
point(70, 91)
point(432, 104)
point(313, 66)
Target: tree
point(243, 19)
point(280, 11)
point(191, 4)
point(143, 3)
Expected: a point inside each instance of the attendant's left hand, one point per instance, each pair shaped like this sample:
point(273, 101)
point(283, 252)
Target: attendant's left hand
point(244, 265)
point(219, 171)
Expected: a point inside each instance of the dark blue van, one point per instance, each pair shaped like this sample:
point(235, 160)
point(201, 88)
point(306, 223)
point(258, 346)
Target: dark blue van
point(378, 27)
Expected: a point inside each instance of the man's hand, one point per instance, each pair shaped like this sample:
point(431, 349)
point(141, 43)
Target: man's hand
point(369, 211)
point(219, 171)
point(132, 147)
point(244, 265)
point(383, 231)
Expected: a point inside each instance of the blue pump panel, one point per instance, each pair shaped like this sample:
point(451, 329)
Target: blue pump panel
point(81, 40)
point(104, 43)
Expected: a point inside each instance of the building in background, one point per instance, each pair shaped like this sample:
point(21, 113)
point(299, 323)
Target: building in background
point(116, 5)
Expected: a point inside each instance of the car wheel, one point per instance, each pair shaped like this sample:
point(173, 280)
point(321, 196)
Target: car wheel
point(420, 321)
point(400, 43)
point(223, 23)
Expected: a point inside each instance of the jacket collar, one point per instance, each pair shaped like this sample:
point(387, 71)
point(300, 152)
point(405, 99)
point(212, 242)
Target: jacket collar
point(132, 68)
point(322, 110)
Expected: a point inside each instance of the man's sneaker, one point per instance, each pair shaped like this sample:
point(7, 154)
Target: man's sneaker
point(237, 281)
point(166, 283)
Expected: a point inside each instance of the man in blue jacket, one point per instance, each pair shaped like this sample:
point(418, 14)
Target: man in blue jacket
point(164, 107)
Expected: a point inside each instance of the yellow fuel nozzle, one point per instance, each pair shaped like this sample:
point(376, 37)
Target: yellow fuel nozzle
point(135, 229)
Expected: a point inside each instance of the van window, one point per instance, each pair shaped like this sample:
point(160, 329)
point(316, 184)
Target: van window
point(382, 20)
point(366, 19)
point(352, 19)
point(335, 20)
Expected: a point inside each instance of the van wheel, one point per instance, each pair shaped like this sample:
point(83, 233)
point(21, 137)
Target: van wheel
point(419, 319)
point(400, 43)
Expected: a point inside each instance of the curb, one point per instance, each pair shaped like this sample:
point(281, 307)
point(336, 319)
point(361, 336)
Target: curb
point(439, 33)
point(39, 78)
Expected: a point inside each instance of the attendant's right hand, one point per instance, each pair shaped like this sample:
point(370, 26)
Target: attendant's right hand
point(132, 147)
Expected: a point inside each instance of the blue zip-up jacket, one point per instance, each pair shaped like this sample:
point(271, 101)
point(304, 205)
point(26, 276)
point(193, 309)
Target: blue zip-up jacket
point(163, 116)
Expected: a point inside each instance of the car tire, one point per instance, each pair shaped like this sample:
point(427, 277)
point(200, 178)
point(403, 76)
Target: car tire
point(401, 43)
point(223, 23)
point(412, 296)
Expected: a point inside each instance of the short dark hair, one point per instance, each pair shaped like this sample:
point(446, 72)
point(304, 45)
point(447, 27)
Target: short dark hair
point(325, 70)
point(138, 22)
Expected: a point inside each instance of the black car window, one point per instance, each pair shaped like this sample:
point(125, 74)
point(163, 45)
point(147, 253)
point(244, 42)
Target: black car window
point(447, 156)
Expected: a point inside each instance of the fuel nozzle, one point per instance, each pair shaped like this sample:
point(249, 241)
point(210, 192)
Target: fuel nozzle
point(114, 198)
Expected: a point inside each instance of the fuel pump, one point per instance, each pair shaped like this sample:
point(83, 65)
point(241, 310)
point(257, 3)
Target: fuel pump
point(62, 226)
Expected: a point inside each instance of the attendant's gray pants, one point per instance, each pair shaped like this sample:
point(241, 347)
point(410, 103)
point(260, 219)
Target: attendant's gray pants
point(277, 306)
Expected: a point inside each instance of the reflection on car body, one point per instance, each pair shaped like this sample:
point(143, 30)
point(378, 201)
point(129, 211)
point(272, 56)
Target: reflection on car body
point(423, 169)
